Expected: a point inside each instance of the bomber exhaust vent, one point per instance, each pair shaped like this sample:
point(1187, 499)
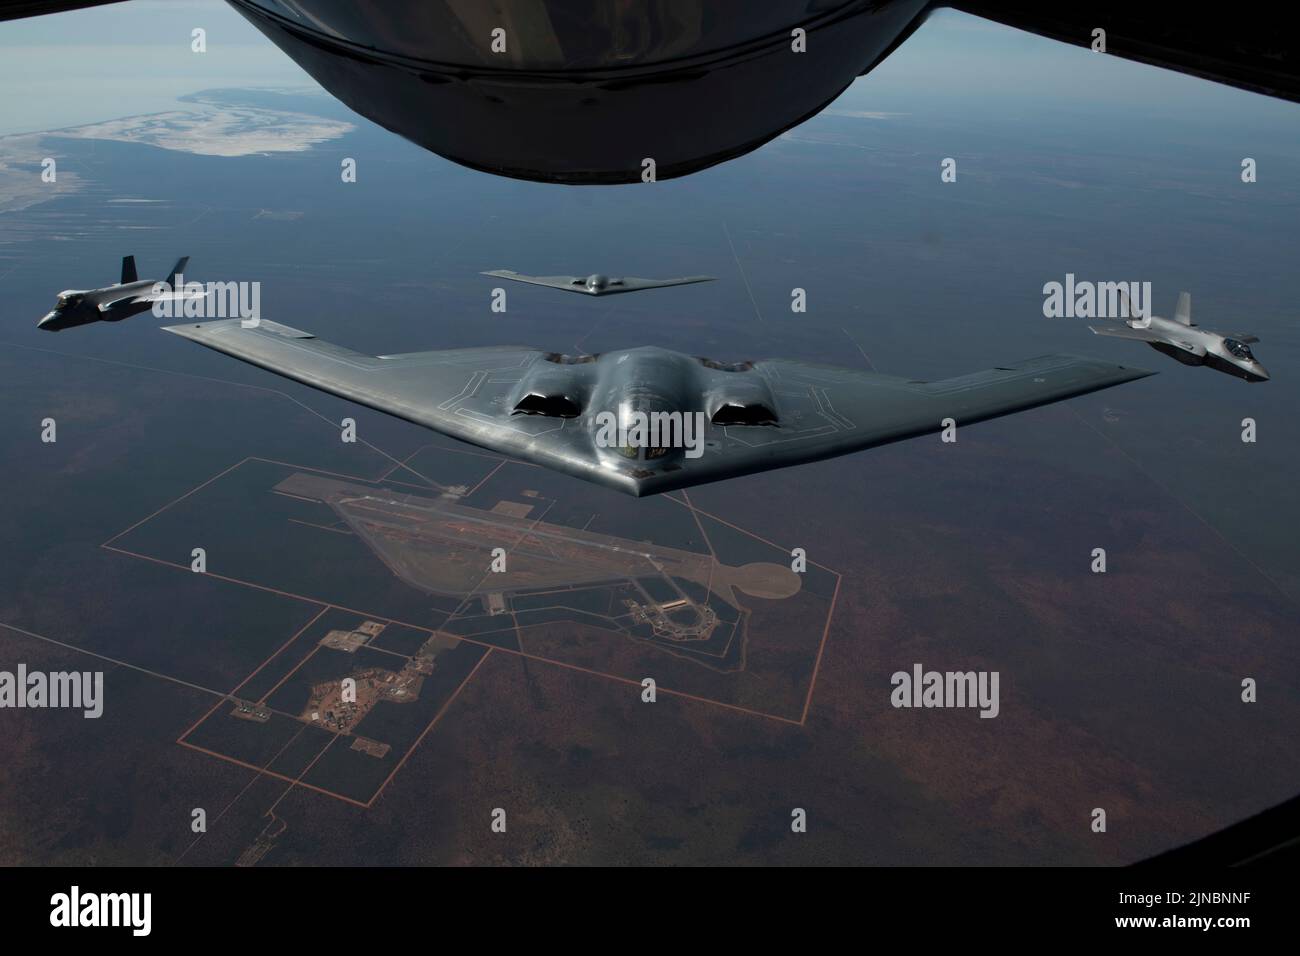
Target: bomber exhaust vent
point(734, 413)
point(552, 406)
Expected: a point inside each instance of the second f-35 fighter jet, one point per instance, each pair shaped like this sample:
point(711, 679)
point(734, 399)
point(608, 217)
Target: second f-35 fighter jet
point(596, 284)
point(1178, 337)
point(647, 420)
point(113, 303)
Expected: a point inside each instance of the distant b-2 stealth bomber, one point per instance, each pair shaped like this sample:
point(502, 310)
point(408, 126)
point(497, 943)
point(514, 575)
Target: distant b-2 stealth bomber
point(597, 284)
point(648, 420)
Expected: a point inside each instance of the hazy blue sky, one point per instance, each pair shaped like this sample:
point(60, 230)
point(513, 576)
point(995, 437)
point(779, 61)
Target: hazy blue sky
point(128, 58)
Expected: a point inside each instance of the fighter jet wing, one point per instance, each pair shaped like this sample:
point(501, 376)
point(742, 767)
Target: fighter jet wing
point(126, 300)
point(583, 285)
point(821, 411)
point(1126, 332)
point(147, 298)
point(141, 298)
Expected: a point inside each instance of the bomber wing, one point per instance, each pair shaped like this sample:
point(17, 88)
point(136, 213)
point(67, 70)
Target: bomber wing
point(823, 411)
point(634, 284)
point(826, 411)
point(458, 392)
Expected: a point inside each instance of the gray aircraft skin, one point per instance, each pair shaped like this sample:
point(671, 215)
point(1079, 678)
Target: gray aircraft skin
point(113, 303)
point(597, 284)
point(543, 407)
point(1188, 343)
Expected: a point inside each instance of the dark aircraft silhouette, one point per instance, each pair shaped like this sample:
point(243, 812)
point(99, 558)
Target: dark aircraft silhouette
point(113, 303)
point(647, 420)
point(588, 91)
point(597, 284)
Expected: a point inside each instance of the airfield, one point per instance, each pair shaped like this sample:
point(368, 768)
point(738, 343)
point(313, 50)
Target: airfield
point(712, 627)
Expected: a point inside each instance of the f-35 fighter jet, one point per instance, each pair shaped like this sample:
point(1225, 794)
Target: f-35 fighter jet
point(113, 303)
point(596, 284)
point(1190, 344)
point(647, 420)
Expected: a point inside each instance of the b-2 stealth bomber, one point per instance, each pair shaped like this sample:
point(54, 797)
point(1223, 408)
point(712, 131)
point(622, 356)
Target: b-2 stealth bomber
point(113, 303)
point(597, 284)
point(1188, 343)
point(648, 420)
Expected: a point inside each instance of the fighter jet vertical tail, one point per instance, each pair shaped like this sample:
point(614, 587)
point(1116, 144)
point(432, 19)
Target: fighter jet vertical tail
point(1183, 313)
point(177, 270)
point(128, 270)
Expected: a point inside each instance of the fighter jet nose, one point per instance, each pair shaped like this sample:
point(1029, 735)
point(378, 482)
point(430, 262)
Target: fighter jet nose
point(49, 323)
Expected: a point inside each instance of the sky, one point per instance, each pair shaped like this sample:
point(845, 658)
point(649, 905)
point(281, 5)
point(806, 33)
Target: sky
point(85, 66)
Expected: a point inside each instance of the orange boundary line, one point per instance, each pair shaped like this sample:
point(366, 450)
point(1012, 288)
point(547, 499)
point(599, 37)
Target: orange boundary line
point(305, 770)
point(174, 501)
point(743, 531)
point(817, 664)
point(296, 667)
point(482, 481)
point(258, 669)
point(270, 773)
point(436, 717)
